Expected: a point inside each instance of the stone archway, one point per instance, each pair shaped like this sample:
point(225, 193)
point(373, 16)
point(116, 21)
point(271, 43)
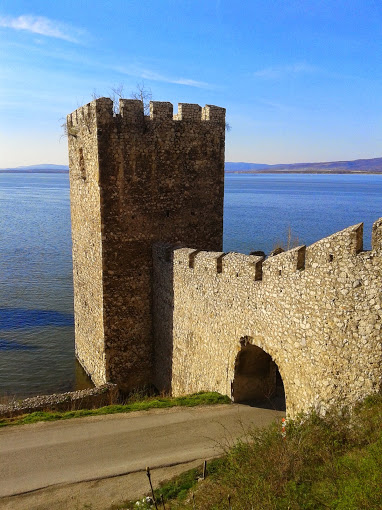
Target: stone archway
point(257, 380)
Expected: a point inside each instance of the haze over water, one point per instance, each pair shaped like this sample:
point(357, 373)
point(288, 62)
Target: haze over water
point(36, 290)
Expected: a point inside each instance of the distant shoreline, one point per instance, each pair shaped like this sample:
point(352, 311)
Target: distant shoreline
point(237, 172)
point(304, 172)
point(359, 166)
point(34, 171)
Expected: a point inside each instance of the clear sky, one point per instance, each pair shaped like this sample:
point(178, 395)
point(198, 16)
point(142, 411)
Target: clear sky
point(301, 79)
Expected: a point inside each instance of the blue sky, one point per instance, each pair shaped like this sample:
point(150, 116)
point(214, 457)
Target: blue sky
point(301, 79)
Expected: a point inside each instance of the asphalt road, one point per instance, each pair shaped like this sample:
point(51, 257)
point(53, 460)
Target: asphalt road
point(36, 459)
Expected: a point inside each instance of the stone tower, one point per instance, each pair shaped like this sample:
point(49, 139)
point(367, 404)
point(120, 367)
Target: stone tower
point(136, 180)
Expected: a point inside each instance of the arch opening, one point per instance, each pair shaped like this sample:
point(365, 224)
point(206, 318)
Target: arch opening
point(257, 380)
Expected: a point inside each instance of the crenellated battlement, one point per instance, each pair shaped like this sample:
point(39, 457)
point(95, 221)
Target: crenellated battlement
point(227, 264)
point(236, 265)
point(285, 263)
point(97, 111)
point(101, 111)
point(339, 246)
point(376, 236)
point(332, 253)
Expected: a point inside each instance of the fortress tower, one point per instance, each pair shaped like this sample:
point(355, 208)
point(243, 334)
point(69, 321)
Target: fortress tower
point(135, 180)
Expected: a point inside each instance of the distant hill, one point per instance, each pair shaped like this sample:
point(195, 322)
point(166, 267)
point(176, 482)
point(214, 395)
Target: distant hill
point(42, 169)
point(367, 166)
point(237, 167)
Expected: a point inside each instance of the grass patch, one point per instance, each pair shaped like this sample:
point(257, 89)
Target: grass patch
point(197, 399)
point(323, 463)
point(177, 489)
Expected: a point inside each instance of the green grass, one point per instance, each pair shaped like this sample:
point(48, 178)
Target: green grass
point(323, 463)
point(197, 399)
point(177, 489)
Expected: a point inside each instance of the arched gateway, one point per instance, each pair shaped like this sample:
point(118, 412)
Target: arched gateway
point(257, 379)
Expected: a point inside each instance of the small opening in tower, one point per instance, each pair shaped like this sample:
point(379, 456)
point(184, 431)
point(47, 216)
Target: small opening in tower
point(192, 213)
point(81, 163)
point(331, 257)
point(279, 272)
point(167, 214)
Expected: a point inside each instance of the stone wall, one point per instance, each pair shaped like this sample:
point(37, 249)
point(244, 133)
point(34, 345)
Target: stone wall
point(87, 239)
point(315, 310)
point(136, 180)
point(148, 311)
point(90, 398)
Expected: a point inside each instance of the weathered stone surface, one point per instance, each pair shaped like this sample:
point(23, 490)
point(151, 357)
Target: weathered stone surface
point(316, 312)
point(151, 311)
point(136, 180)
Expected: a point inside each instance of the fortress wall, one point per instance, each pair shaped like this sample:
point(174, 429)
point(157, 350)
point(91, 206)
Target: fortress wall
point(146, 312)
point(157, 178)
point(87, 238)
point(316, 311)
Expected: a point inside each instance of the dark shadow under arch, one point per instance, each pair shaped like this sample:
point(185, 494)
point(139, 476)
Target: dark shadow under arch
point(257, 380)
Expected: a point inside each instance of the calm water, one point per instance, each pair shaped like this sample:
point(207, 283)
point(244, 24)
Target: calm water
point(36, 295)
point(259, 209)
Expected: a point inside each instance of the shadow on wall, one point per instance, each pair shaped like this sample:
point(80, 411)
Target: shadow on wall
point(257, 380)
point(163, 309)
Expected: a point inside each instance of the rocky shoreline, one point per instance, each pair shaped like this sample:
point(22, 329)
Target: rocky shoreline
point(72, 400)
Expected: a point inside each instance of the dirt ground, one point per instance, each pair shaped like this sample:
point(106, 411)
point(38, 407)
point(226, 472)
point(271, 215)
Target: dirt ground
point(94, 495)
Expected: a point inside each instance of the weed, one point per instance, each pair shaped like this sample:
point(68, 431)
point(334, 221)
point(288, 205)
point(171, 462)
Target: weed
point(290, 241)
point(324, 462)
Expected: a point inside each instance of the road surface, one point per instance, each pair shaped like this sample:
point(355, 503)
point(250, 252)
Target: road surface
point(101, 460)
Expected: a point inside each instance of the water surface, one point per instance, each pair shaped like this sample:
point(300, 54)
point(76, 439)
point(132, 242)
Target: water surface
point(36, 288)
point(259, 209)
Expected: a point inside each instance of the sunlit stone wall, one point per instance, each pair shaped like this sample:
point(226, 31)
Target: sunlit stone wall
point(136, 180)
point(315, 310)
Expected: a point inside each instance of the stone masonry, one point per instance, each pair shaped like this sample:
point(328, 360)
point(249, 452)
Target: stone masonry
point(149, 310)
point(316, 311)
point(135, 180)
